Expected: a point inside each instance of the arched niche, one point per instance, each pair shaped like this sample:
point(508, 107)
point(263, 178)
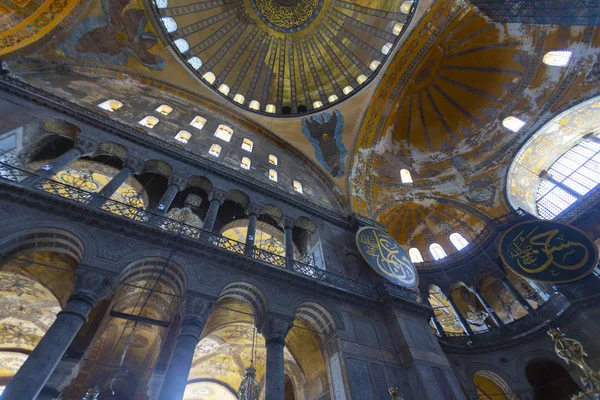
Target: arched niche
point(550, 380)
point(443, 312)
point(491, 387)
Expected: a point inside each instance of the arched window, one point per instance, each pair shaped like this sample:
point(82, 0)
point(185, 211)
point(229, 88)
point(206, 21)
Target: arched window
point(110, 105)
point(397, 28)
point(169, 23)
point(332, 98)
point(247, 145)
point(558, 58)
point(415, 255)
point(164, 109)
point(224, 132)
point(238, 98)
point(513, 123)
point(317, 104)
point(224, 89)
point(254, 105)
point(297, 187)
point(573, 175)
point(386, 48)
point(198, 122)
point(182, 45)
point(272, 159)
point(209, 77)
point(195, 62)
point(161, 3)
point(149, 122)
point(215, 150)
point(405, 7)
point(347, 89)
point(374, 65)
point(270, 108)
point(437, 251)
point(458, 241)
point(183, 136)
point(273, 175)
point(405, 176)
point(245, 163)
point(361, 79)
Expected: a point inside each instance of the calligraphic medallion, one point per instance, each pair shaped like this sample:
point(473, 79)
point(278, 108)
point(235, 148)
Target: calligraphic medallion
point(385, 256)
point(287, 15)
point(548, 251)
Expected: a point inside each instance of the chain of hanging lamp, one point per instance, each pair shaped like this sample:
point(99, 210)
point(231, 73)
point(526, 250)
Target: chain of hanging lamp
point(250, 388)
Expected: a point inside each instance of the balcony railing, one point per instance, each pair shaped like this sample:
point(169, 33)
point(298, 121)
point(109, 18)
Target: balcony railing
point(19, 175)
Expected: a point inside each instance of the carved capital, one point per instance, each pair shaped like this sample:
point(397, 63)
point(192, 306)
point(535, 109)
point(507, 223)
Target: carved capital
point(288, 223)
point(253, 209)
point(197, 308)
point(87, 146)
point(93, 283)
point(64, 373)
point(275, 327)
point(134, 164)
point(217, 194)
point(178, 180)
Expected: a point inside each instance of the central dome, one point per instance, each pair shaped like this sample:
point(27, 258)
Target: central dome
point(287, 15)
point(282, 57)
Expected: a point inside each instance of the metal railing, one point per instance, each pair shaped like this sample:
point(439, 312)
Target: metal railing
point(19, 175)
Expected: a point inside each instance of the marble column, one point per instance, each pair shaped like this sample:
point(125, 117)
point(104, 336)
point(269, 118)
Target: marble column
point(195, 311)
point(130, 167)
point(253, 211)
point(82, 148)
point(216, 198)
point(167, 199)
point(274, 328)
point(90, 286)
point(513, 290)
point(488, 307)
point(463, 321)
point(288, 225)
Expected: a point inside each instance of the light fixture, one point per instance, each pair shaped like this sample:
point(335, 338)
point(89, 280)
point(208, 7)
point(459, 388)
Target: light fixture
point(558, 58)
point(250, 388)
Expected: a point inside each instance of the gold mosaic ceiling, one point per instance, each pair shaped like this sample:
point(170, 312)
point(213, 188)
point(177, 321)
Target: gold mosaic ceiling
point(282, 56)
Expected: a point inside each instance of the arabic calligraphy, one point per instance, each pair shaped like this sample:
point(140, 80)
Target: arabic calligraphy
point(548, 251)
point(287, 16)
point(385, 256)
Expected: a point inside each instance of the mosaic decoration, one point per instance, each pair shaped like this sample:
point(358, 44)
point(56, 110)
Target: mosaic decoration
point(114, 36)
point(324, 131)
point(288, 13)
point(548, 251)
point(386, 257)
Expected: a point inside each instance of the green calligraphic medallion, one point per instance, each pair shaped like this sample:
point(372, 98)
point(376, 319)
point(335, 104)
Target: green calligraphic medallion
point(548, 251)
point(386, 257)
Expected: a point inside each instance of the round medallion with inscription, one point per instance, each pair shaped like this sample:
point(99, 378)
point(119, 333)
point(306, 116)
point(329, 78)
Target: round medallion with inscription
point(287, 15)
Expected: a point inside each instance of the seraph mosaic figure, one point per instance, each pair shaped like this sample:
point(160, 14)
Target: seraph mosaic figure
point(324, 131)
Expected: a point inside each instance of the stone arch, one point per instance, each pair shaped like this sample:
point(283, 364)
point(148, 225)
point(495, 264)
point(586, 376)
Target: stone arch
point(318, 316)
point(47, 239)
point(239, 197)
point(498, 381)
point(274, 211)
point(306, 224)
point(113, 149)
point(248, 293)
point(147, 267)
point(201, 182)
point(159, 167)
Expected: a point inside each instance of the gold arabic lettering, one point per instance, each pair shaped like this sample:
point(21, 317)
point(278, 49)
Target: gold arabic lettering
point(386, 253)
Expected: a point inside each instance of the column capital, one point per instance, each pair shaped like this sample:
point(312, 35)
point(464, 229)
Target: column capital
point(217, 194)
point(275, 327)
point(134, 164)
point(196, 308)
point(86, 146)
point(178, 180)
point(92, 284)
point(253, 209)
point(288, 222)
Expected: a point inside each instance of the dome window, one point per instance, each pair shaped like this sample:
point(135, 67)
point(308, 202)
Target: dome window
point(559, 58)
point(254, 105)
point(317, 104)
point(110, 105)
point(405, 176)
point(386, 48)
point(169, 24)
point(513, 123)
point(361, 79)
point(247, 145)
point(273, 175)
point(238, 98)
point(198, 122)
point(397, 29)
point(245, 164)
point(149, 122)
point(215, 150)
point(195, 62)
point(332, 98)
point(458, 241)
point(182, 45)
point(224, 89)
point(415, 255)
point(224, 132)
point(298, 187)
point(374, 65)
point(209, 77)
point(272, 159)
point(164, 109)
point(347, 89)
point(437, 251)
point(183, 136)
point(270, 108)
point(405, 7)
point(161, 3)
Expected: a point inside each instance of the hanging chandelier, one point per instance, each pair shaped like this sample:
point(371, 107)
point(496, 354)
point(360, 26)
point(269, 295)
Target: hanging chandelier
point(250, 388)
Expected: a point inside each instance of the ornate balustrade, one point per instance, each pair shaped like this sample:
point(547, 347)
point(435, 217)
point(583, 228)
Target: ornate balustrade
point(18, 175)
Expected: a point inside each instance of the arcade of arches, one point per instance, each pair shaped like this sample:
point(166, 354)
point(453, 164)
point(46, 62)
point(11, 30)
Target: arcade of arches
point(182, 183)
